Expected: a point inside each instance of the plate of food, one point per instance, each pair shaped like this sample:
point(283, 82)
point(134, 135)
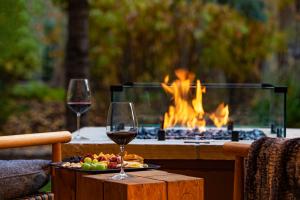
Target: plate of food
point(105, 163)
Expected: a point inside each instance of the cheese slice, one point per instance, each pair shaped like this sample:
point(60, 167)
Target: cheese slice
point(133, 164)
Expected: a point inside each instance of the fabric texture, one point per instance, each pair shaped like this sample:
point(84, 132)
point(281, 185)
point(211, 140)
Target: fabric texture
point(273, 170)
point(22, 177)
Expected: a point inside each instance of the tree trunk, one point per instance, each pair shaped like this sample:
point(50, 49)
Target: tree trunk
point(76, 61)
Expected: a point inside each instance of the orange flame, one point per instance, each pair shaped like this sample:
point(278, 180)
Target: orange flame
point(220, 116)
point(188, 113)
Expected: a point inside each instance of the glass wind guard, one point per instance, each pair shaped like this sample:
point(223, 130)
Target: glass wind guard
point(251, 106)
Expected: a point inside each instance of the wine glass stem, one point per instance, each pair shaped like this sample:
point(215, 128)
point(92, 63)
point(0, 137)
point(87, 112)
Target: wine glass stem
point(122, 147)
point(78, 125)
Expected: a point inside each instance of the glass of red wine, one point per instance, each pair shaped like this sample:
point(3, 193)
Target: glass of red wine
point(79, 100)
point(121, 128)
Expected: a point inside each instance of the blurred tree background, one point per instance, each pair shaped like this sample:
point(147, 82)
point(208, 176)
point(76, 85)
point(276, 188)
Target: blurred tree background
point(141, 41)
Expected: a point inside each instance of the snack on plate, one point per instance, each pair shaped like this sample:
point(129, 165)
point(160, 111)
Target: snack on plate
point(104, 161)
point(133, 158)
point(71, 165)
point(133, 164)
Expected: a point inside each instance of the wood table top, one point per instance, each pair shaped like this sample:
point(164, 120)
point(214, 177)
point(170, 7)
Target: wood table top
point(153, 149)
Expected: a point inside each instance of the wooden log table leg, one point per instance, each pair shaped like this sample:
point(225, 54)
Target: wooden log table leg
point(102, 187)
point(148, 185)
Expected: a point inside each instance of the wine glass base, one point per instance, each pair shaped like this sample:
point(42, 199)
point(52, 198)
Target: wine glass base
point(121, 176)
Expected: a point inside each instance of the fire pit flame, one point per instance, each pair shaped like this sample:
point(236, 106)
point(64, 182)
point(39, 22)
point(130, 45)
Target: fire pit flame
point(220, 116)
point(186, 110)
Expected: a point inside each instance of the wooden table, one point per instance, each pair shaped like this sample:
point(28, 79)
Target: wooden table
point(207, 161)
point(198, 160)
point(146, 185)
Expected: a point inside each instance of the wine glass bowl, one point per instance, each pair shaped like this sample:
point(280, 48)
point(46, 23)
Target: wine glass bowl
point(79, 100)
point(121, 128)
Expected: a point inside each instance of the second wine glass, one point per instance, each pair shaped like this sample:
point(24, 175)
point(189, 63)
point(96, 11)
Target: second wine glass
point(79, 100)
point(121, 128)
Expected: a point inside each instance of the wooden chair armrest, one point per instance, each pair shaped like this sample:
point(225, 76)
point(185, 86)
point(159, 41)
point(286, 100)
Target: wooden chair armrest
point(236, 149)
point(25, 140)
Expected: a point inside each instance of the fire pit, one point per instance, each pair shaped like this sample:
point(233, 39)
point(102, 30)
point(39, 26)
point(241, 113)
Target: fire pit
point(187, 109)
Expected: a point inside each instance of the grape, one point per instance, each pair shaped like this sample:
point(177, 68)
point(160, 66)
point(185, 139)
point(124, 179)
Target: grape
point(73, 159)
point(86, 166)
point(112, 165)
point(100, 166)
point(87, 160)
point(101, 158)
point(93, 166)
point(113, 159)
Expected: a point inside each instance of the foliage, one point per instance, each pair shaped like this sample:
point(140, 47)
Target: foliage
point(143, 40)
point(19, 50)
point(126, 28)
point(135, 41)
point(252, 9)
point(290, 77)
point(32, 107)
point(39, 91)
point(236, 45)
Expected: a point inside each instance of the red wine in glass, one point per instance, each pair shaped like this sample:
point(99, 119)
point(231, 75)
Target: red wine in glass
point(121, 128)
point(79, 100)
point(122, 137)
point(79, 107)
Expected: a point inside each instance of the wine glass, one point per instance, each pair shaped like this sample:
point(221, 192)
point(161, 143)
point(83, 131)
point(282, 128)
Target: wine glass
point(121, 128)
point(79, 100)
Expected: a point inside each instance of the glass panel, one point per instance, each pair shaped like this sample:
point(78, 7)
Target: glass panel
point(251, 106)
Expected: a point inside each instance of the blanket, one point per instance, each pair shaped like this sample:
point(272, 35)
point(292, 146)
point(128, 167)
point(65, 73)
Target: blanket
point(272, 170)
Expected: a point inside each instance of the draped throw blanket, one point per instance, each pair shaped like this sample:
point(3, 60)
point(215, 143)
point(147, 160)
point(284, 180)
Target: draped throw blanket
point(273, 170)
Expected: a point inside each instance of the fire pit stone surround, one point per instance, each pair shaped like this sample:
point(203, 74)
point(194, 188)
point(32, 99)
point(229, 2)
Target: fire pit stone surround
point(194, 134)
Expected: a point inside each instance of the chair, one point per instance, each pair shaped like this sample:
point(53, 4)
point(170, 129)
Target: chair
point(272, 168)
point(25, 140)
point(240, 151)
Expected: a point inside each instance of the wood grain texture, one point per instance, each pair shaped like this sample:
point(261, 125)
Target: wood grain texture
point(212, 152)
point(135, 188)
point(239, 151)
point(87, 188)
point(238, 187)
point(149, 173)
point(182, 187)
point(236, 149)
point(25, 140)
point(56, 152)
point(152, 151)
point(218, 175)
point(64, 184)
point(148, 185)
